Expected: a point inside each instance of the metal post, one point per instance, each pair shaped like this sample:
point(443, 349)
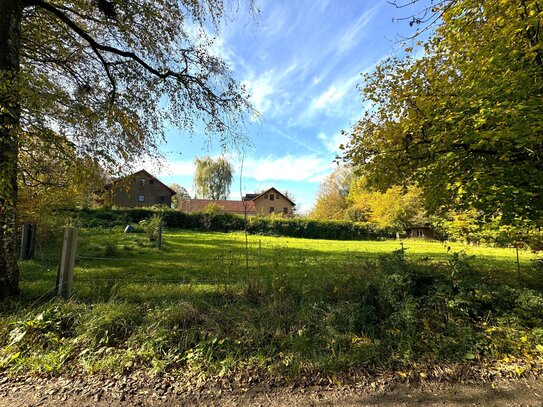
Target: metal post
point(67, 263)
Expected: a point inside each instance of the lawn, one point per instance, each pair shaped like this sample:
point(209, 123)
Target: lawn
point(290, 308)
point(192, 258)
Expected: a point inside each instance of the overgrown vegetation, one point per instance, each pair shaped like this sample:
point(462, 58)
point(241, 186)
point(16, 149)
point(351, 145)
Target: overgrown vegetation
point(315, 308)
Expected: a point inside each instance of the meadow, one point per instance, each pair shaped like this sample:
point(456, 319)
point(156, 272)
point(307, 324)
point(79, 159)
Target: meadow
point(208, 305)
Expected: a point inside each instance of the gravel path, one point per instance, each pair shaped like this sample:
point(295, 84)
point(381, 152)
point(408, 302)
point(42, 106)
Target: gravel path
point(143, 391)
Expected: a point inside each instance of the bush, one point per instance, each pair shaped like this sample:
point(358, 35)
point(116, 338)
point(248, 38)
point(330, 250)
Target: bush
point(225, 222)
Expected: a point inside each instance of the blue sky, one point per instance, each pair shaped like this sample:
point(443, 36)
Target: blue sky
point(301, 61)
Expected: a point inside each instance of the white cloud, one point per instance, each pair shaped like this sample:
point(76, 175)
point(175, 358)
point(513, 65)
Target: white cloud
point(288, 168)
point(168, 168)
point(338, 100)
point(333, 142)
point(261, 90)
point(352, 36)
point(332, 95)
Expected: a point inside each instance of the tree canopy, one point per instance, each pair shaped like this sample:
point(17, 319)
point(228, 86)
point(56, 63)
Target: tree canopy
point(213, 178)
point(181, 194)
point(463, 122)
point(344, 196)
point(331, 199)
point(101, 80)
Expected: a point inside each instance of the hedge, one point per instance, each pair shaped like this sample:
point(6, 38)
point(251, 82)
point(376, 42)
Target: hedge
point(224, 222)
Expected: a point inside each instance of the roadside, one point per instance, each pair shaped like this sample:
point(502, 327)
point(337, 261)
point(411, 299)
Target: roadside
point(138, 390)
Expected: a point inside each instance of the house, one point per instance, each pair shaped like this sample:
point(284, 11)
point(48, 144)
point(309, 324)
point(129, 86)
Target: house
point(137, 189)
point(269, 201)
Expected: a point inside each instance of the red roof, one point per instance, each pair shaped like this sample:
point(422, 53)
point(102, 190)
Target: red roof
point(198, 205)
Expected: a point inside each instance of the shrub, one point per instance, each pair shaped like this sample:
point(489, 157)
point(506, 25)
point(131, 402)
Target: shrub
point(225, 222)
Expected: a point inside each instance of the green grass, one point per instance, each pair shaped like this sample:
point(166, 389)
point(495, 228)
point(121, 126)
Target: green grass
point(301, 307)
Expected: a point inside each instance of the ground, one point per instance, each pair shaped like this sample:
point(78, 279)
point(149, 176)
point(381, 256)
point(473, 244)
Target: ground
point(136, 391)
point(312, 322)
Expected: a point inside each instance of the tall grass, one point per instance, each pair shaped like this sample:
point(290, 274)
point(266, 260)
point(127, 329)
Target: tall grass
point(315, 308)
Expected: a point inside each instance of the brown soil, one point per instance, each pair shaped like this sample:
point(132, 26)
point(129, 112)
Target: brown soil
point(138, 390)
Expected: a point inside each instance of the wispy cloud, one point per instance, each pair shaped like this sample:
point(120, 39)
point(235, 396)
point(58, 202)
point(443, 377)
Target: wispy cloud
point(340, 100)
point(287, 168)
point(333, 141)
point(356, 32)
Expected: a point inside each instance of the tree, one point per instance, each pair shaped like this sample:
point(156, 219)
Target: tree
point(181, 194)
point(397, 207)
point(213, 178)
point(102, 77)
point(331, 199)
point(465, 121)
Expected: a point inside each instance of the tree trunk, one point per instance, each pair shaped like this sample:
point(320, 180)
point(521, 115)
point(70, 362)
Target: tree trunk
point(10, 34)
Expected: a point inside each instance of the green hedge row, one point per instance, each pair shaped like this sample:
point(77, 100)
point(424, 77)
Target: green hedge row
point(223, 222)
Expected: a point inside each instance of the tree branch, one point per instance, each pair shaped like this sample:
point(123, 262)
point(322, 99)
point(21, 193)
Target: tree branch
point(97, 47)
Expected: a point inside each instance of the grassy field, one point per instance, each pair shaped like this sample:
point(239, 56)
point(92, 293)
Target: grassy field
point(290, 308)
point(213, 260)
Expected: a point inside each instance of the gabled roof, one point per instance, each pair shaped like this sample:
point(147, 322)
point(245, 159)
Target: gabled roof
point(198, 205)
point(276, 191)
point(135, 175)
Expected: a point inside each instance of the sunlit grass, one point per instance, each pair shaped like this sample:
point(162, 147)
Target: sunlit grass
point(299, 306)
point(197, 258)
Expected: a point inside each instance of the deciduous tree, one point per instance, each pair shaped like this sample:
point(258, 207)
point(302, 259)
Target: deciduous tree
point(464, 122)
point(213, 178)
point(181, 194)
point(103, 77)
point(331, 199)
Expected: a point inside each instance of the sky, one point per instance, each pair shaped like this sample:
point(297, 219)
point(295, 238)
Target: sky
point(301, 62)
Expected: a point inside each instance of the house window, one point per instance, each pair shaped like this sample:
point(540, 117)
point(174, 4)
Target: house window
point(142, 181)
point(151, 181)
point(285, 210)
point(141, 198)
point(272, 197)
point(272, 210)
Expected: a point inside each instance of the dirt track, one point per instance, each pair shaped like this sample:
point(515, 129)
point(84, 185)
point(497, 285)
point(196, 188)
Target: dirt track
point(107, 392)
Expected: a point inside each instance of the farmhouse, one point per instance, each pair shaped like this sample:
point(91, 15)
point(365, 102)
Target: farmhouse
point(269, 201)
point(137, 189)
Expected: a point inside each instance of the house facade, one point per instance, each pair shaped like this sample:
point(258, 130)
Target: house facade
point(265, 203)
point(271, 201)
point(138, 189)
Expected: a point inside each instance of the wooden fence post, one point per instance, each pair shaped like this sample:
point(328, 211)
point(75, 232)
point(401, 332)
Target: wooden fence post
point(67, 263)
point(28, 241)
point(518, 262)
point(159, 235)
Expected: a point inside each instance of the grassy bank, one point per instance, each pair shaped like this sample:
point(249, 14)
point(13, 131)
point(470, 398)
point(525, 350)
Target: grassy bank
point(300, 308)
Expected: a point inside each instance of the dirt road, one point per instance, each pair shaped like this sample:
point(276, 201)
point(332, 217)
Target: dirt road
point(96, 391)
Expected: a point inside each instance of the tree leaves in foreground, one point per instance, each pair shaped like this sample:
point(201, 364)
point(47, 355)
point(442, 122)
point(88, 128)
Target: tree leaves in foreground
point(102, 79)
point(465, 121)
point(213, 178)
